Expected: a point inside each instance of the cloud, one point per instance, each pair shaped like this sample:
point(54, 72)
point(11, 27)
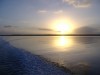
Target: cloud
point(78, 3)
point(58, 12)
point(42, 11)
point(44, 29)
point(86, 30)
point(50, 12)
point(8, 26)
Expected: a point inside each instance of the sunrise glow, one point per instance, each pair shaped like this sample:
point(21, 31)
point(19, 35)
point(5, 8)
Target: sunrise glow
point(63, 26)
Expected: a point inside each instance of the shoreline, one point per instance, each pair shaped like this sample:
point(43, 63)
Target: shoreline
point(62, 67)
point(21, 62)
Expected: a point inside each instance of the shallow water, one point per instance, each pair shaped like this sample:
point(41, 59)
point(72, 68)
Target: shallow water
point(80, 54)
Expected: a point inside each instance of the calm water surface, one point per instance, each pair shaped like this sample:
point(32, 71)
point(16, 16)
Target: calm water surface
point(77, 53)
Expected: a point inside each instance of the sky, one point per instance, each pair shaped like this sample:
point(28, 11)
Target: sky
point(39, 16)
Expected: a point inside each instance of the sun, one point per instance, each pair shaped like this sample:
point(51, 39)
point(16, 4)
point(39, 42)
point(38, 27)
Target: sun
point(63, 27)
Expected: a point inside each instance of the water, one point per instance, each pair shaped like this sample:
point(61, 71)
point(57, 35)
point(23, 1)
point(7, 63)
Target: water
point(80, 54)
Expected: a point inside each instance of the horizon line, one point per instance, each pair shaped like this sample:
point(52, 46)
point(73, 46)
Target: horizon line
point(50, 35)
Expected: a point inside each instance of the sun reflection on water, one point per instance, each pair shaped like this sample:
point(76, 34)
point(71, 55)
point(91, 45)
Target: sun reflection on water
point(63, 42)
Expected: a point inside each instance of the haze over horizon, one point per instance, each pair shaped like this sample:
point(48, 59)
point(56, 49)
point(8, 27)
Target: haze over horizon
point(48, 16)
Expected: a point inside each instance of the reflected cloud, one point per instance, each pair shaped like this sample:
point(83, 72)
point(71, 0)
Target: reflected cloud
point(86, 40)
